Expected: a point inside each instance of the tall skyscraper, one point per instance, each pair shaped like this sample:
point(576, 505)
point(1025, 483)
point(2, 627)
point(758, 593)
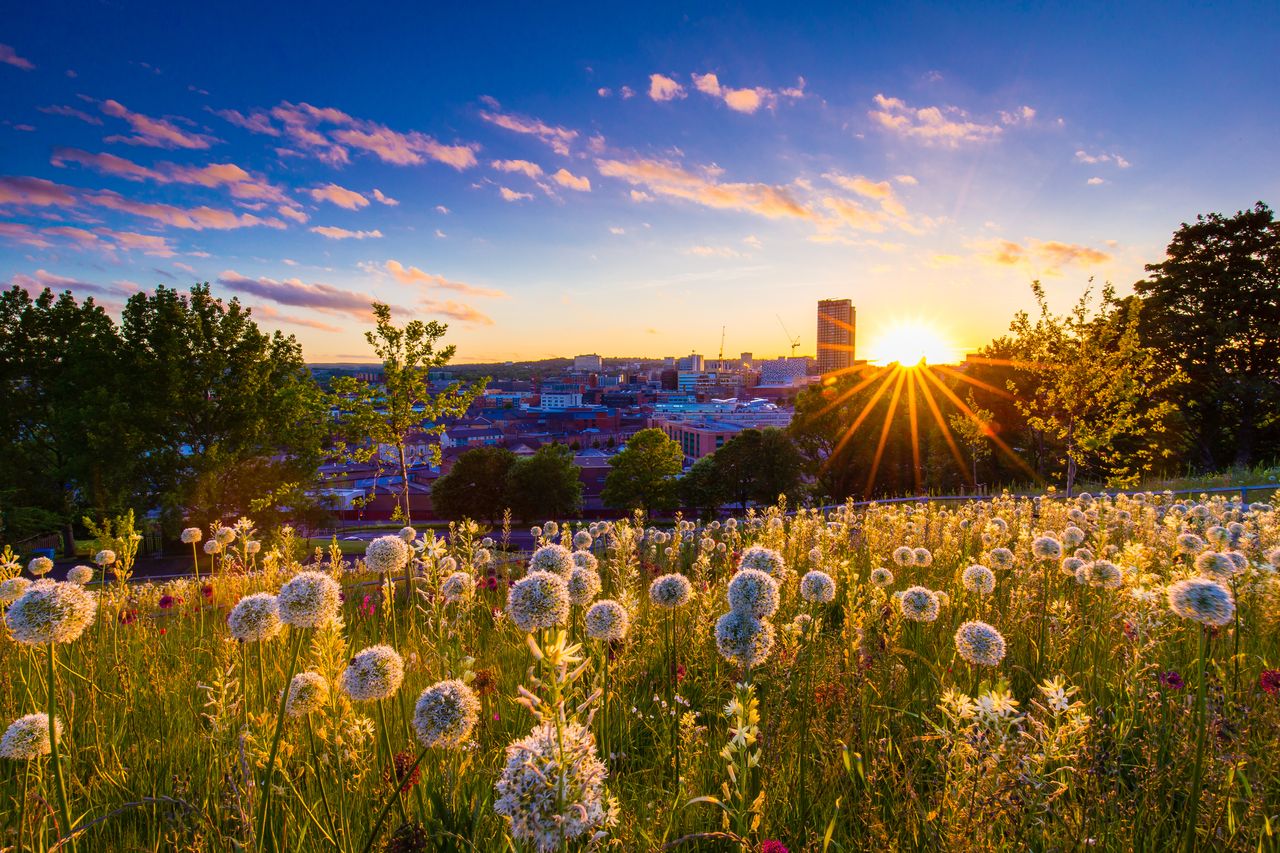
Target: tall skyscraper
point(836, 335)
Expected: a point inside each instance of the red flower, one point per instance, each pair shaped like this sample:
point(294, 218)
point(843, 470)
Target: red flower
point(207, 590)
point(166, 601)
point(773, 846)
point(680, 673)
point(1171, 680)
point(407, 778)
point(1269, 681)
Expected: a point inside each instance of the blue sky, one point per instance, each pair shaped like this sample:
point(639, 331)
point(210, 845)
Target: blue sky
point(626, 181)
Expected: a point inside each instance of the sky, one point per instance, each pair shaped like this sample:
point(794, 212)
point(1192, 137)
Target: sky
point(554, 179)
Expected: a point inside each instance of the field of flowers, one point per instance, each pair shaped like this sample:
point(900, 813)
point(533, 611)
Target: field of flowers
point(1049, 674)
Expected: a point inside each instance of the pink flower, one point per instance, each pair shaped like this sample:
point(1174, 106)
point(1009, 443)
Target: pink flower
point(1269, 681)
point(773, 846)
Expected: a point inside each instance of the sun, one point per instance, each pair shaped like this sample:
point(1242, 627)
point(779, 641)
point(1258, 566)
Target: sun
point(908, 342)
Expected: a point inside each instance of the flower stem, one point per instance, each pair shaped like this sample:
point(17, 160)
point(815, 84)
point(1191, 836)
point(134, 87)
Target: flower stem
point(64, 813)
point(1201, 724)
point(275, 740)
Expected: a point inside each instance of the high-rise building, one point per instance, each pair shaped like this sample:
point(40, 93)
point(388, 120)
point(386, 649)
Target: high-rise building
point(590, 363)
point(836, 335)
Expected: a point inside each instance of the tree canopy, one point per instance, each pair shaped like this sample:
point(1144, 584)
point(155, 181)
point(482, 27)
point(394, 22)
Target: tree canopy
point(644, 473)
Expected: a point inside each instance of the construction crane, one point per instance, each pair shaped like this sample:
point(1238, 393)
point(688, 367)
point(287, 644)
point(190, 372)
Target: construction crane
point(794, 341)
point(721, 356)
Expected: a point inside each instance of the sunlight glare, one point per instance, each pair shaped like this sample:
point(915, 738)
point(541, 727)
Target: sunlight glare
point(908, 342)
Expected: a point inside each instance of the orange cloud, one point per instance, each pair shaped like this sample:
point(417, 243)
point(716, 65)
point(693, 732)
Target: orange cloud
point(384, 199)
point(300, 294)
point(413, 275)
point(1047, 256)
point(328, 133)
point(567, 179)
point(663, 88)
point(456, 311)
point(558, 138)
point(154, 132)
point(266, 312)
point(674, 181)
point(35, 192)
point(511, 195)
point(533, 170)
point(341, 196)
point(194, 218)
point(945, 126)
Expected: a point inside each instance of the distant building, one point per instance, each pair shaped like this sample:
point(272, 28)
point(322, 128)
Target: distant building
point(590, 363)
point(783, 371)
point(693, 362)
point(836, 335)
point(560, 396)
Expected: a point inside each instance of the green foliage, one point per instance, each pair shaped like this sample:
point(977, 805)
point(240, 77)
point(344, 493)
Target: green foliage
point(644, 473)
point(379, 420)
point(758, 465)
point(1211, 309)
point(476, 486)
point(1085, 380)
point(702, 489)
point(545, 485)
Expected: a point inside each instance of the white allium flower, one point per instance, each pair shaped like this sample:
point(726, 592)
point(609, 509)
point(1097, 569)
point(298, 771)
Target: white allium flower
point(535, 532)
point(192, 535)
point(607, 620)
point(978, 579)
point(582, 540)
point(387, 555)
point(28, 737)
point(1105, 574)
point(584, 586)
point(743, 638)
point(550, 529)
point(255, 618)
point(552, 788)
point(1215, 565)
point(817, 587)
point(903, 555)
point(1084, 554)
point(1072, 537)
point(919, 604)
point(224, 536)
point(1202, 600)
point(980, 644)
point(882, 577)
point(49, 612)
point(408, 534)
point(755, 592)
point(458, 586)
point(482, 557)
point(1000, 558)
point(309, 600)
point(373, 674)
point(1189, 543)
point(1071, 565)
point(12, 589)
point(670, 591)
point(445, 714)
point(538, 600)
point(80, 575)
point(1046, 548)
point(212, 547)
point(105, 557)
point(764, 559)
point(552, 558)
point(487, 542)
point(40, 566)
point(922, 557)
point(585, 560)
point(308, 692)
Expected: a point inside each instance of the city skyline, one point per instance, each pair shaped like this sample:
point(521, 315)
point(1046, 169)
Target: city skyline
point(560, 185)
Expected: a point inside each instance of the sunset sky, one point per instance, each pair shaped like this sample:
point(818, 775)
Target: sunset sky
point(623, 182)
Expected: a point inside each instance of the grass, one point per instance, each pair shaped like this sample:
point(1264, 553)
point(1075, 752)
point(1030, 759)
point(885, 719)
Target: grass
point(860, 728)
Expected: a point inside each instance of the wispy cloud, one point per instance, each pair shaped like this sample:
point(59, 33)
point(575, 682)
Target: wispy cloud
point(533, 170)
point(382, 198)
point(456, 311)
point(945, 126)
point(43, 278)
point(1083, 156)
point(1044, 256)
point(71, 112)
point(153, 132)
point(509, 194)
point(335, 233)
point(266, 312)
point(745, 100)
point(558, 138)
point(703, 187)
point(415, 276)
point(9, 56)
point(299, 294)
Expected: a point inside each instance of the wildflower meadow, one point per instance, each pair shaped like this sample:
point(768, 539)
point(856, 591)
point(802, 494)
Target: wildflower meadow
point(1097, 672)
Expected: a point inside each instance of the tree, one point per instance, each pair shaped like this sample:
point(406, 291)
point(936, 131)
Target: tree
point(546, 484)
point(1085, 380)
point(477, 485)
point(226, 418)
point(644, 473)
point(758, 465)
point(61, 413)
point(1212, 310)
point(971, 433)
point(377, 419)
point(702, 489)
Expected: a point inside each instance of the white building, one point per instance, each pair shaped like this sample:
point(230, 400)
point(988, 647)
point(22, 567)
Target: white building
point(590, 363)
